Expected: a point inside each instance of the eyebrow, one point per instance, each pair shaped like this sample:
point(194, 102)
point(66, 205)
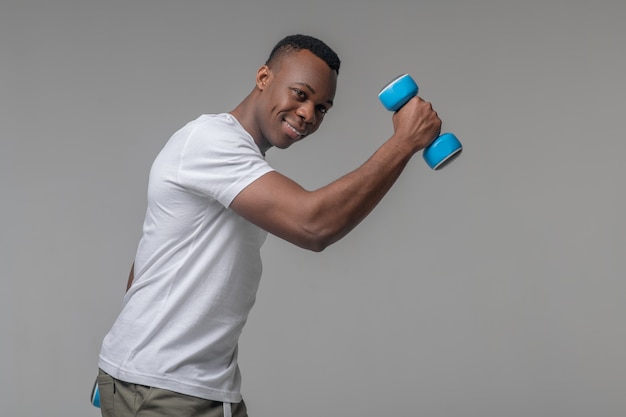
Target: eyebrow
point(330, 102)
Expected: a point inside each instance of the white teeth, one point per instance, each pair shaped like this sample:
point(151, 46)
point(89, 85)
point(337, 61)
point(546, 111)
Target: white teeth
point(295, 130)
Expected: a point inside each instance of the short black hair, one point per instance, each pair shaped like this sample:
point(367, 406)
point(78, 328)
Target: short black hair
point(294, 43)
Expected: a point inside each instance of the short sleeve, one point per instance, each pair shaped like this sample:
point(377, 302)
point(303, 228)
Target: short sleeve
point(219, 159)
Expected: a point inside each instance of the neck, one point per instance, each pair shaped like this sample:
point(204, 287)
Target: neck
point(245, 114)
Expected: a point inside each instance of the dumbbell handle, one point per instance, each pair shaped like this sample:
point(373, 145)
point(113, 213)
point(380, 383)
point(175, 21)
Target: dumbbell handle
point(443, 149)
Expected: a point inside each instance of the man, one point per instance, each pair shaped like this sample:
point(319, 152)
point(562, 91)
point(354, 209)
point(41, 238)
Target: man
point(212, 198)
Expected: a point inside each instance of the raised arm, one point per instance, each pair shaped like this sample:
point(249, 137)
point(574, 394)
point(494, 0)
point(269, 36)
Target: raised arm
point(315, 219)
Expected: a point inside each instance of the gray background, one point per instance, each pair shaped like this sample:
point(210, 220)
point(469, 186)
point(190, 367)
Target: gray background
point(492, 288)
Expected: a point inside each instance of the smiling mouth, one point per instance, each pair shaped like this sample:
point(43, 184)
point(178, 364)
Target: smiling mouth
point(297, 133)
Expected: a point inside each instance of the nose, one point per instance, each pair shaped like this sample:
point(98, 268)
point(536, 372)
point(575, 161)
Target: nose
point(307, 112)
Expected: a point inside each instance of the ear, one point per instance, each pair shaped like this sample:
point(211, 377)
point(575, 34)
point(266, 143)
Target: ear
point(263, 76)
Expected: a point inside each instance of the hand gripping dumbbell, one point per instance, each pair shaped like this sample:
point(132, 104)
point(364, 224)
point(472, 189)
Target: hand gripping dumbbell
point(445, 148)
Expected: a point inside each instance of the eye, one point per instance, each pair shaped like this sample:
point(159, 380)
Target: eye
point(299, 93)
point(322, 109)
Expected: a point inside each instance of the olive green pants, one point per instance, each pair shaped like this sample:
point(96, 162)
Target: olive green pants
point(122, 399)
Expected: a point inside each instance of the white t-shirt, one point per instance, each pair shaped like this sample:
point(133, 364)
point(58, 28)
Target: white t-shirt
point(197, 267)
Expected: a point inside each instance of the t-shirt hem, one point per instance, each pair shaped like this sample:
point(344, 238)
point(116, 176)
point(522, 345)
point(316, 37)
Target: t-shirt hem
point(167, 383)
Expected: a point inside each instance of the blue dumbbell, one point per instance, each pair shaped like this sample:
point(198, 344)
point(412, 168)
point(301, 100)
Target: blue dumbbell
point(443, 149)
point(95, 395)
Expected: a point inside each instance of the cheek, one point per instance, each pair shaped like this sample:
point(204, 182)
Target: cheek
point(320, 119)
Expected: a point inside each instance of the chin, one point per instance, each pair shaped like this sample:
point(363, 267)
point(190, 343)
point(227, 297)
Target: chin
point(282, 145)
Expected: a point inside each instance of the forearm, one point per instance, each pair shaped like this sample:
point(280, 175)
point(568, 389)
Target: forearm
point(315, 219)
point(344, 203)
point(340, 206)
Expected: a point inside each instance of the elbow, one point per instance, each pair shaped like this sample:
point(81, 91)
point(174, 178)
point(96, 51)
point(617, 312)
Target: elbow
point(315, 230)
point(317, 237)
point(317, 245)
point(314, 246)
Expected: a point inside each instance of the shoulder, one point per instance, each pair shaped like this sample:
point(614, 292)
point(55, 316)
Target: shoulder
point(219, 132)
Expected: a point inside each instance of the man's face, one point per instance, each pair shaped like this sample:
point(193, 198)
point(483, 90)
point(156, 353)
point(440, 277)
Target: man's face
point(296, 93)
